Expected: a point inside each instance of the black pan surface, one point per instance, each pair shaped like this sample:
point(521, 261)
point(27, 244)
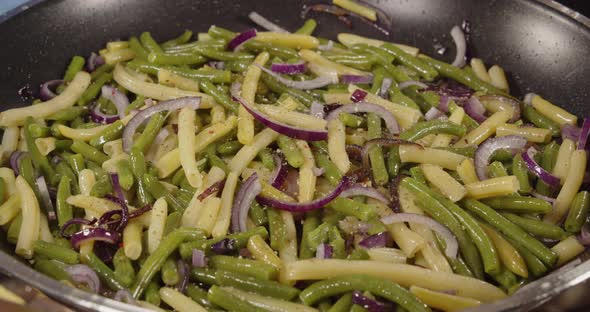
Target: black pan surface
point(543, 50)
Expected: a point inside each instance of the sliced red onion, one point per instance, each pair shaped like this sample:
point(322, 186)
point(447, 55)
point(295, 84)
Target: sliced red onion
point(199, 260)
point(484, 152)
point(160, 137)
point(244, 198)
point(98, 116)
point(584, 236)
point(317, 110)
point(240, 38)
point(15, 158)
point(460, 44)
point(83, 274)
point(365, 107)
point(289, 68)
point(138, 212)
point(505, 99)
point(279, 173)
point(548, 199)
point(536, 169)
point(214, 188)
point(410, 83)
point(291, 184)
point(528, 99)
point(475, 109)
point(443, 103)
point(117, 97)
point(433, 113)
point(584, 134)
point(123, 295)
point(45, 198)
point(356, 79)
point(385, 85)
point(303, 207)
point(326, 47)
point(318, 171)
point(138, 119)
point(73, 221)
point(264, 23)
point(324, 251)
point(219, 64)
point(354, 152)
point(316, 83)
point(56, 159)
point(369, 304)
point(122, 202)
point(45, 93)
point(282, 128)
point(376, 240)
point(570, 132)
point(224, 246)
point(361, 190)
point(451, 241)
point(94, 234)
point(358, 95)
point(381, 142)
point(245, 253)
point(183, 272)
point(94, 61)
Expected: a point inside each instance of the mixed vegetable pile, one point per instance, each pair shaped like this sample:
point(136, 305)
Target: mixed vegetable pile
point(278, 171)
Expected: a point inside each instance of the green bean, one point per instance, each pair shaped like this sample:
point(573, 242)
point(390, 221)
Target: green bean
point(378, 169)
point(254, 45)
point(55, 252)
point(125, 173)
point(39, 161)
point(63, 209)
point(157, 190)
point(103, 271)
point(291, 151)
point(536, 227)
point(14, 229)
point(305, 251)
point(149, 43)
point(245, 266)
point(439, 212)
point(362, 62)
point(317, 236)
point(182, 58)
point(393, 161)
point(539, 120)
point(182, 39)
point(152, 293)
point(198, 295)
point(101, 70)
point(548, 160)
point(229, 147)
point(150, 132)
point(218, 44)
point(169, 272)
point(214, 75)
point(89, 152)
point(353, 208)
point(455, 73)
point(425, 70)
point(214, 160)
point(352, 121)
point(76, 161)
point(224, 55)
point(102, 186)
point(206, 276)
point(496, 169)
point(173, 221)
point(337, 242)
point(520, 170)
point(578, 213)
point(94, 88)
point(275, 86)
point(331, 172)
point(376, 286)
point(343, 304)
point(138, 167)
point(229, 301)
point(258, 214)
point(123, 268)
point(308, 27)
point(220, 97)
point(2, 191)
point(277, 229)
point(434, 126)
point(256, 285)
point(52, 269)
point(534, 265)
point(511, 230)
point(239, 240)
point(110, 133)
point(76, 65)
point(519, 204)
point(27, 171)
point(265, 156)
point(240, 66)
point(505, 278)
point(68, 114)
point(417, 174)
point(63, 145)
point(140, 51)
point(154, 261)
point(38, 131)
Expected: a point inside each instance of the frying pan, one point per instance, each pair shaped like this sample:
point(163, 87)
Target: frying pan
point(542, 46)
